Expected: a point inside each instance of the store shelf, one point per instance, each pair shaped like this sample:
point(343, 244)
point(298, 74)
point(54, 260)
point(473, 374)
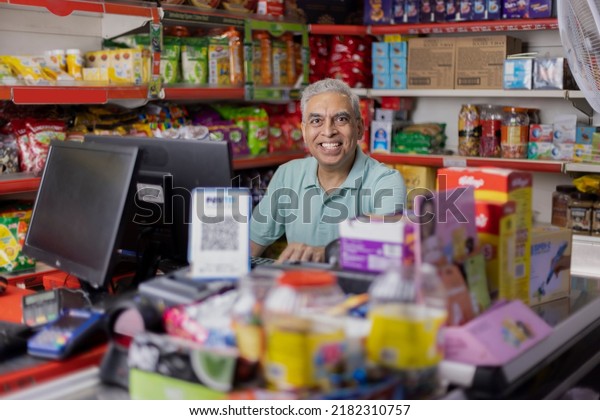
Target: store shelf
point(71, 95)
point(582, 167)
point(27, 278)
point(267, 160)
point(319, 29)
point(18, 183)
point(207, 93)
point(182, 14)
point(67, 7)
point(440, 161)
point(461, 27)
point(470, 93)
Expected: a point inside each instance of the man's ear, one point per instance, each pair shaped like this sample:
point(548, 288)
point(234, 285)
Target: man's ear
point(360, 127)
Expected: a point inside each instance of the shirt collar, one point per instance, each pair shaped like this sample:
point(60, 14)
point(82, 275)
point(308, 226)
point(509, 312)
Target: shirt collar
point(352, 182)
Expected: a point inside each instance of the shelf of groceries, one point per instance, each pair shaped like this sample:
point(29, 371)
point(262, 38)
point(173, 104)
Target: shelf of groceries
point(504, 25)
point(470, 93)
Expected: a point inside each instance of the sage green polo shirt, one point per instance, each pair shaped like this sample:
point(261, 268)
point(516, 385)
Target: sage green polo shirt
point(297, 206)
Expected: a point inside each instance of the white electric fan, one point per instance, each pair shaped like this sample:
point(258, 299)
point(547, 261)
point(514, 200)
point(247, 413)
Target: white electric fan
point(579, 28)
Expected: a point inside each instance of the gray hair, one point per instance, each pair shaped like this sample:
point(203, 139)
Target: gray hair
point(329, 85)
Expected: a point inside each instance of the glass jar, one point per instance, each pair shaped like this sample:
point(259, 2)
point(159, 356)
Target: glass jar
point(491, 129)
point(469, 130)
point(596, 217)
point(580, 212)
point(304, 343)
point(561, 198)
point(246, 313)
point(514, 133)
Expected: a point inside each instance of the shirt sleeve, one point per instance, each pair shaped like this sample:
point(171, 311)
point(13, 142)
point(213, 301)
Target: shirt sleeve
point(264, 228)
point(390, 194)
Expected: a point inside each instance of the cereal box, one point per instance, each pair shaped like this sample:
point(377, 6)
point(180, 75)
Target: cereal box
point(496, 234)
point(501, 186)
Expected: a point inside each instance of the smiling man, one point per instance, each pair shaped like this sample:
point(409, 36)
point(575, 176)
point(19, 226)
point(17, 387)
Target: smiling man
point(307, 198)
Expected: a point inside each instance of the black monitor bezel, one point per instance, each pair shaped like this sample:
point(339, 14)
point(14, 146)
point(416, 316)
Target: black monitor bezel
point(96, 278)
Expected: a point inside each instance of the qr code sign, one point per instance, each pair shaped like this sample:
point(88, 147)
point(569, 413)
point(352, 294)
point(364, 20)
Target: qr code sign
point(221, 236)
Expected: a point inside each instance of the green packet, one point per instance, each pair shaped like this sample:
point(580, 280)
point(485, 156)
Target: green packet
point(194, 60)
point(12, 259)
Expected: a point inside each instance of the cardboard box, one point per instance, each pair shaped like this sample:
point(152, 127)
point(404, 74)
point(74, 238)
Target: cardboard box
point(480, 60)
point(540, 151)
point(418, 180)
point(370, 244)
point(501, 186)
point(431, 63)
point(550, 263)
point(496, 234)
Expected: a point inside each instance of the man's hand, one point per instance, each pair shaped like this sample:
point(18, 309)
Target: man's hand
point(301, 252)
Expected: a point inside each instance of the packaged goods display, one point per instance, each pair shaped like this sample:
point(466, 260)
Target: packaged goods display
point(514, 133)
point(491, 131)
point(469, 130)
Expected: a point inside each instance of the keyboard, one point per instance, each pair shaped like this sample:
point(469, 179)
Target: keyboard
point(257, 261)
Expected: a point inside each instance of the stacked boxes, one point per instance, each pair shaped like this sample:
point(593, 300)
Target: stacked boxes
point(389, 65)
point(479, 60)
point(431, 63)
point(502, 186)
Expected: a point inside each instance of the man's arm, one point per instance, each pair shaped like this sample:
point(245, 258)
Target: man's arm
point(256, 250)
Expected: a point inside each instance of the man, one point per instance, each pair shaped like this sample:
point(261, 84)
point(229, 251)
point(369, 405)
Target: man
point(307, 198)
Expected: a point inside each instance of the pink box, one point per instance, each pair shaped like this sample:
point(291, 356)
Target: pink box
point(496, 336)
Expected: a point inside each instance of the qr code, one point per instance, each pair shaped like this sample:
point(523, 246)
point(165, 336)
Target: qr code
point(221, 236)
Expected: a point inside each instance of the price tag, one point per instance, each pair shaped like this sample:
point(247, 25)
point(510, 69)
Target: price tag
point(455, 161)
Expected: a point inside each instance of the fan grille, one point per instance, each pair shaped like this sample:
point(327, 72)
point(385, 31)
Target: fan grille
point(579, 29)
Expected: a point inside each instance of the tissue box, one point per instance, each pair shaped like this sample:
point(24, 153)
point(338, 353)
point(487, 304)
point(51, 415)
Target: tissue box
point(550, 251)
point(370, 244)
point(518, 73)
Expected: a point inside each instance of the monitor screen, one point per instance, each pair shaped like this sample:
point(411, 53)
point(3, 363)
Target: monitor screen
point(168, 172)
point(76, 218)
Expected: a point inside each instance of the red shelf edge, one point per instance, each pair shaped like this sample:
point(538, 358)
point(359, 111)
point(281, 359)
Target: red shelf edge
point(71, 95)
point(262, 161)
point(474, 26)
point(66, 7)
point(323, 29)
point(204, 93)
point(438, 162)
point(13, 186)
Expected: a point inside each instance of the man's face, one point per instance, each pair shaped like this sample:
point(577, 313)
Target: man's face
point(331, 131)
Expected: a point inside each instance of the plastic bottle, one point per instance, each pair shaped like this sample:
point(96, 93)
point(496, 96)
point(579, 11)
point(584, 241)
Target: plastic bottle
point(406, 318)
point(236, 57)
point(74, 61)
point(304, 345)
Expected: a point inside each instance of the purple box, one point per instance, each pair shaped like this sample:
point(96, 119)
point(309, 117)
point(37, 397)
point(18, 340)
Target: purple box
point(465, 8)
point(426, 13)
point(452, 11)
point(411, 11)
point(439, 10)
point(540, 9)
point(479, 9)
point(515, 9)
point(369, 244)
point(494, 9)
point(379, 12)
point(398, 11)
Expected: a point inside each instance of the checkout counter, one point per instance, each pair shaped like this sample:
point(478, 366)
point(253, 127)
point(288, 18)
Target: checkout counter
point(568, 358)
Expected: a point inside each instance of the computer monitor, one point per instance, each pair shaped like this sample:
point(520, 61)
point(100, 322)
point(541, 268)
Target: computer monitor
point(76, 219)
point(157, 219)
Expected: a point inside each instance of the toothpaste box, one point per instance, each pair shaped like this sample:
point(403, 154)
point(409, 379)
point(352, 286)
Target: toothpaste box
point(501, 186)
point(550, 263)
point(371, 244)
point(540, 151)
point(542, 133)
